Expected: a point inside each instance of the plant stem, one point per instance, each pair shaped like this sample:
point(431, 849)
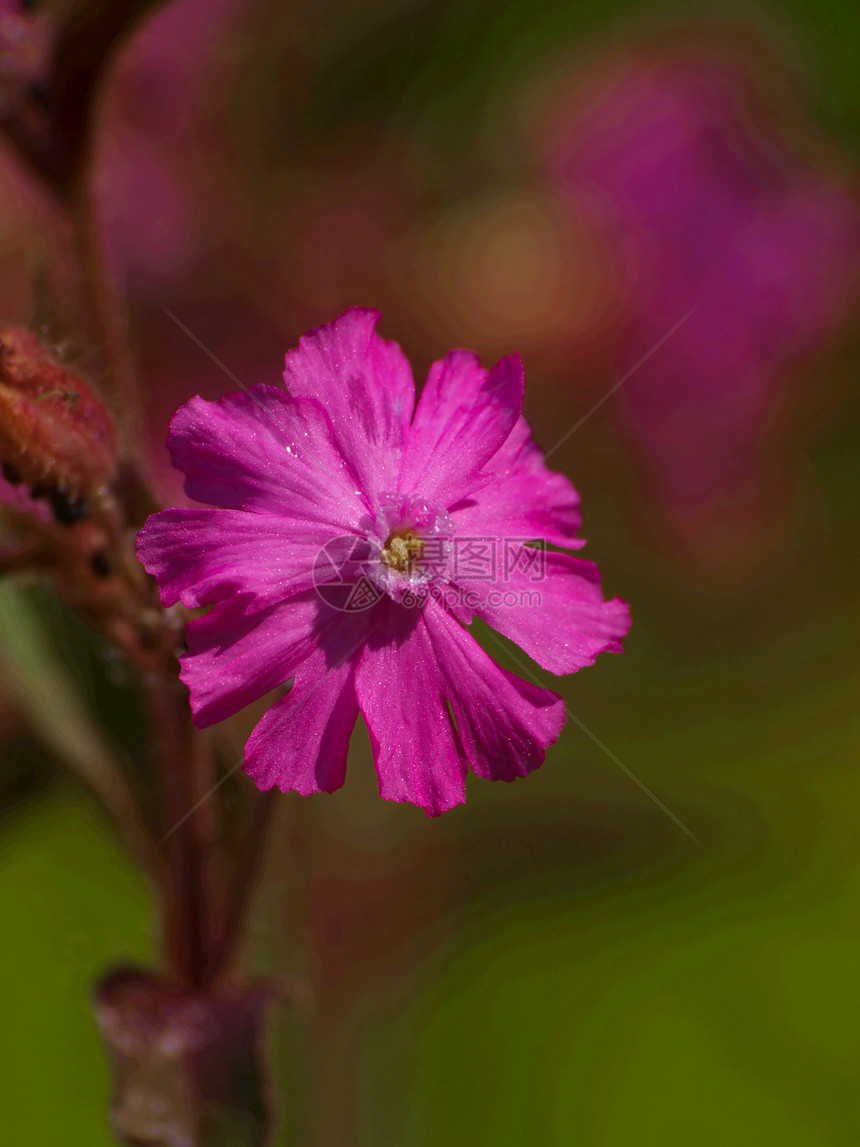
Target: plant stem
point(247, 869)
point(54, 140)
point(56, 144)
point(187, 923)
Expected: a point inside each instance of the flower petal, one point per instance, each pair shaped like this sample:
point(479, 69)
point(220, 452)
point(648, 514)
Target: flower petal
point(402, 698)
point(505, 724)
point(366, 386)
point(525, 500)
point(301, 744)
point(263, 450)
point(559, 619)
point(201, 556)
point(235, 656)
point(463, 417)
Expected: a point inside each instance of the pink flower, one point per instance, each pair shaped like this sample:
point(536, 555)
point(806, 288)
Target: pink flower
point(350, 541)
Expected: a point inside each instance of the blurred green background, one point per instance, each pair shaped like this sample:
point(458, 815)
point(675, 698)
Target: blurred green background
point(555, 962)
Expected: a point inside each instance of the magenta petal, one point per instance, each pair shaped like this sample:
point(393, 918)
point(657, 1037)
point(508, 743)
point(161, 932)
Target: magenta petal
point(333, 483)
point(402, 698)
point(559, 619)
point(301, 743)
point(505, 724)
point(262, 450)
point(366, 386)
point(463, 417)
point(235, 656)
point(525, 500)
point(200, 556)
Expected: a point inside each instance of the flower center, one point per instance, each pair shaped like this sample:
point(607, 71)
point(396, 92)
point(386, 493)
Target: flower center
point(402, 551)
point(416, 550)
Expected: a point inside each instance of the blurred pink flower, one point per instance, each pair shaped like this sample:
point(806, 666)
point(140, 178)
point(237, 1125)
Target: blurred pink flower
point(350, 540)
point(708, 207)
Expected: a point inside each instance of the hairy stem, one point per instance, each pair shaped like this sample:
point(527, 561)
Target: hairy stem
point(187, 937)
point(55, 140)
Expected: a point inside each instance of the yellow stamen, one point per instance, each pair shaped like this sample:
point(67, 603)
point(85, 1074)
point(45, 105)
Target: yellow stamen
point(402, 551)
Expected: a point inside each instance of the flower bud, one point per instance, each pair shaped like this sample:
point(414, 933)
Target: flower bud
point(56, 436)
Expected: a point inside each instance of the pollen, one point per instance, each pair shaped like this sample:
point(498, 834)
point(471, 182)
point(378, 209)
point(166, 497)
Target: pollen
point(402, 550)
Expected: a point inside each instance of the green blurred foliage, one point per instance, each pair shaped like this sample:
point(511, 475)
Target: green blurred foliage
point(71, 906)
